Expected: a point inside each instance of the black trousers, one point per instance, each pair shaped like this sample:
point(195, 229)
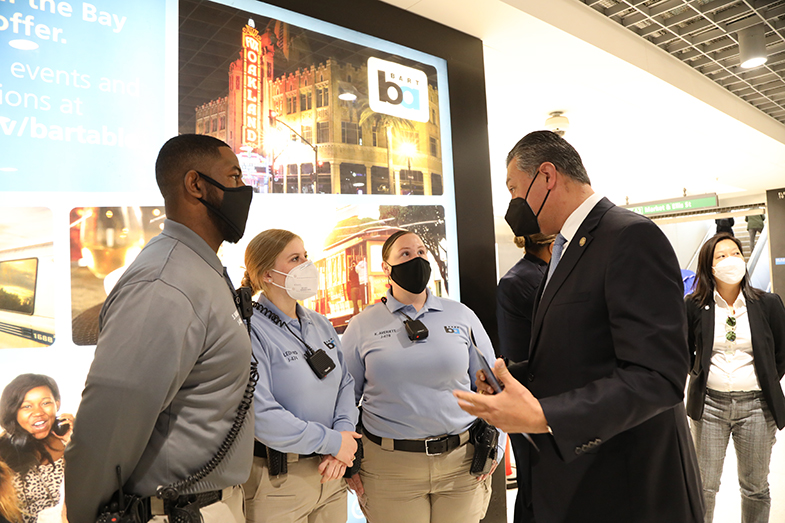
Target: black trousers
point(523, 505)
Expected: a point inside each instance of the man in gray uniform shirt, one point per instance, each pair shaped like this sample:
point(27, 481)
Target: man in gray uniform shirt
point(173, 356)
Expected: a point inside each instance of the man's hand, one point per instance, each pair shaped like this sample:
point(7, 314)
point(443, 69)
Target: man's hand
point(348, 447)
point(483, 387)
point(513, 410)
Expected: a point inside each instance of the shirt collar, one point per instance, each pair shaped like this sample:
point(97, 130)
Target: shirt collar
point(302, 317)
point(193, 241)
point(577, 217)
point(431, 302)
point(534, 259)
point(740, 302)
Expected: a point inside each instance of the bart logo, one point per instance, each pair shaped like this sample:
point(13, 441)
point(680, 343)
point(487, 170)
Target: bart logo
point(452, 329)
point(397, 90)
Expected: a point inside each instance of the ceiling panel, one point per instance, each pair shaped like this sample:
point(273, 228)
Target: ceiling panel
point(704, 35)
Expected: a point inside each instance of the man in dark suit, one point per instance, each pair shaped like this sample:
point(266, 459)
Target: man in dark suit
point(608, 358)
point(515, 295)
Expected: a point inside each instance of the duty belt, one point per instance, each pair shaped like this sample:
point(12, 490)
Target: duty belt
point(430, 446)
point(260, 451)
point(201, 499)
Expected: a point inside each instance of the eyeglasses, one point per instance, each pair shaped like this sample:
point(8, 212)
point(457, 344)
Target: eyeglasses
point(730, 328)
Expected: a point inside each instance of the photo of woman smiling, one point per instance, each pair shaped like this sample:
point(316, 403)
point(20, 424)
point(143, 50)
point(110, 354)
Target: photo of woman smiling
point(34, 440)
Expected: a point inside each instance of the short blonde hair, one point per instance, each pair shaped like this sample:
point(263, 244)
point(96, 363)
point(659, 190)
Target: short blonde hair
point(260, 256)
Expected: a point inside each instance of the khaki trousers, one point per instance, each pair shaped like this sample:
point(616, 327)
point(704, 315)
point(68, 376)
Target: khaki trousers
point(416, 488)
point(301, 498)
point(228, 510)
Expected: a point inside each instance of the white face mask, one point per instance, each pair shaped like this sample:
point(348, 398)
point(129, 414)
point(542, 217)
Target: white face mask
point(302, 282)
point(731, 270)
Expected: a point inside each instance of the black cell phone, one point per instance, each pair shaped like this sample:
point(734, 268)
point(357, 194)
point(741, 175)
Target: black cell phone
point(490, 377)
point(61, 426)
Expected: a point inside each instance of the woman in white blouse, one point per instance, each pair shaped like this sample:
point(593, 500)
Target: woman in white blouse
point(737, 338)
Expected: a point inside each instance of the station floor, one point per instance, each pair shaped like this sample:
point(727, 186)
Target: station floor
point(728, 509)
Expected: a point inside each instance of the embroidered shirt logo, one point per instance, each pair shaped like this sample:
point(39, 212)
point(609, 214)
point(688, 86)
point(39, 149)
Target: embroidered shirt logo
point(330, 344)
point(452, 329)
point(385, 333)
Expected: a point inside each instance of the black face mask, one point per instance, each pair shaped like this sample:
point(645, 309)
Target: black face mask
point(233, 210)
point(412, 275)
point(520, 216)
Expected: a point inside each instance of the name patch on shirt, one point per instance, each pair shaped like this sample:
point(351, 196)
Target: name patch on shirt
point(236, 317)
point(291, 355)
point(385, 334)
point(452, 329)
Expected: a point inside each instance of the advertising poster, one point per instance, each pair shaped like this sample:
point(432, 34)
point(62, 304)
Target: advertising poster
point(26, 278)
point(80, 100)
point(344, 138)
point(308, 112)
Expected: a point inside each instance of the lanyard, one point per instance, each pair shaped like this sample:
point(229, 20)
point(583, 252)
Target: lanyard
point(415, 329)
point(318, 360)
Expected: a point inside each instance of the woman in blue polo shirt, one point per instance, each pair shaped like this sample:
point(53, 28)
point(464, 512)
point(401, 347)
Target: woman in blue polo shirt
point(416, 463)
point(304, 403)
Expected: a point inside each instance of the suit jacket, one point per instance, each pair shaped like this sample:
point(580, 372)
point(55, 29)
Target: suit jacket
point(608, 362)
point(515, 297)
point(767, 325)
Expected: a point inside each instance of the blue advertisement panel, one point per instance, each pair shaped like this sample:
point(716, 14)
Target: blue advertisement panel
point(81, 94)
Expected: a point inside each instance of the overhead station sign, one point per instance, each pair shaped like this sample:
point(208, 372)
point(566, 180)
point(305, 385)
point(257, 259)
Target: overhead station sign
point(686, 204)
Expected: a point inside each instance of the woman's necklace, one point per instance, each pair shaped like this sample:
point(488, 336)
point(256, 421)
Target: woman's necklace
point(730, 332)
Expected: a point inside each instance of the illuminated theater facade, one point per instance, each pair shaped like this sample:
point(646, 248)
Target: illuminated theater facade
point(312, 130)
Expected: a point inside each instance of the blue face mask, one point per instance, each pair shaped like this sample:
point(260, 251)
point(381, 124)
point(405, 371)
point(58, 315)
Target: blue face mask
point(233, 210)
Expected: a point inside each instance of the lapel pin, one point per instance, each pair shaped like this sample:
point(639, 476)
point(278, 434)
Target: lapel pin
point(582, 242)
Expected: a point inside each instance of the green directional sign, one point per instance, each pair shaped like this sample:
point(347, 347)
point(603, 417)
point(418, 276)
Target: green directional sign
point(692, 203)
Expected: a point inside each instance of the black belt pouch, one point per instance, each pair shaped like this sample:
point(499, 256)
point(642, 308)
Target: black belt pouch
point(276, 462)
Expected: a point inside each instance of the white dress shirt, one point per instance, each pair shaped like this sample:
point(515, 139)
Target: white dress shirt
point(732, 368)
point(577, 217)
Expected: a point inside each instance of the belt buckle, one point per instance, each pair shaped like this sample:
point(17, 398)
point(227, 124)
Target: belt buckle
point(427, 449)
